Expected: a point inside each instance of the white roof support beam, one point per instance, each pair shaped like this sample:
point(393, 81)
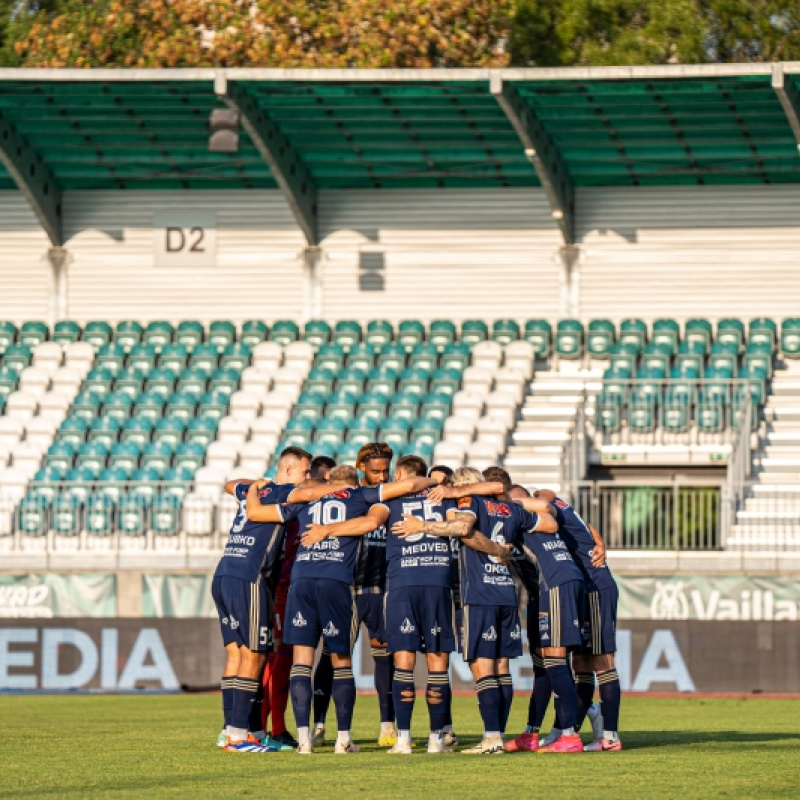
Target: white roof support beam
point(288, 169)
point(542, 152)
point(33, 178)
point(790, 99)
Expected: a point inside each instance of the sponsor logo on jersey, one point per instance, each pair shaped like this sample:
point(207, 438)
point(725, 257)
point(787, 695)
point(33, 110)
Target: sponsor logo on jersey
point(465, 502)
point(497, 509)
point(559, 503)
point(330, 630)
point(264, 491)
point(490, 635)
point(407, 627)
point(436, 629)
point(234, 623)
point(342, 494)
point(224, 620)
point(516, 633)
point(299, 621)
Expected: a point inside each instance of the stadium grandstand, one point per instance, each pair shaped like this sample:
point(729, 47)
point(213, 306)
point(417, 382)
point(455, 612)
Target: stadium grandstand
point(588, 276)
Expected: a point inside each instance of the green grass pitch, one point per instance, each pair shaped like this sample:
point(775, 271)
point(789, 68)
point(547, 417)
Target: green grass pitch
point(163, 746)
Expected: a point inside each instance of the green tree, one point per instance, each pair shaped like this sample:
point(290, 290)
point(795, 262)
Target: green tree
point(752, 30)
point(551, 33)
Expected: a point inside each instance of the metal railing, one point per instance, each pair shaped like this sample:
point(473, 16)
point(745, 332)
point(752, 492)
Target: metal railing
point(684, 515)
point(739, 466)
point(573, 454)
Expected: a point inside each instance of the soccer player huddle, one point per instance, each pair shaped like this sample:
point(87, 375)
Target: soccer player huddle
point(431, 562)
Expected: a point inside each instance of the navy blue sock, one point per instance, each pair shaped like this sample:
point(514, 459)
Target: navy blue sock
point(540, 696)
point(300, 690)
point(438, 695)
point(323, 686)
point(610, 697)
point(404, 696)
point(507, 697)
point(564, 691)
point(227, 698)
point(384, 670)
point(244, 695)
point(254, 723)
point(584, 687)
point(448, 711)
point(344, 696)
point(489, 702)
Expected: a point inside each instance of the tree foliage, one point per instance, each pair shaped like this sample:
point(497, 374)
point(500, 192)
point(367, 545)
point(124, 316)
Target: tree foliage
point(394, 33)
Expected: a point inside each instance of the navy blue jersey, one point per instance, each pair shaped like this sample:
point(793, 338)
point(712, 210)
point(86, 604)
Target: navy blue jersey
point(578, 538)
point(455, 574)
point(549, 549)
point(333, 558)
point(254, 547)
point(524, 567)
point(371, 564)
point(484, 581)
point(421, 559)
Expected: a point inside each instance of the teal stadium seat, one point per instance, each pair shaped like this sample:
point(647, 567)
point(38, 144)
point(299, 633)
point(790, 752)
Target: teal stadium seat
point(724, 354)
point(86, 406)
point(361, 357)
point(320, 380)
point(128, 334)
point(9, 378)
point(410, 333)
point(347, 334)
point(623, 356)
point(310, 405)
point(351, 380)
point(65, 332)
point(633, 331)
point(235, 356)
point(98, 333)
point(161, 381)
point(379, 332)
point(92, 455)
point(130, 380)
point(222, 334)
point(790, 337)
point(505, 331)
point(33, 514)
point(330, 356)
point(204, 356)
point(330, 431)
point(189, 456)
point(698, 330)
point(33, 333)
point(569, 338)
point(158, 334)
point(456, 356)
point(72, 431)
point(60, 455)
point(192, 380)
point(170, 429)
point(110, 357)
point(189, 334)
point(284, 332)
point(148, 404)
point(473, 331)
point(539, 333)
point(202, 431)
point(98, 515)
point(125, 455)
point(691, 355)
point(372, 405)
point(143, 357)
point(730, 331)
point(392, 355)
point(253, 332)
point(762, 331)
point(99, 381)
point(666, 332)
point(436, 405)
point(214, 405)
point(316, 332)
point(224, 380)
point(17, 357)
point(341, 405)
point(758, 354)
point(600, 337)
point(104, 430)
point(157, 455)
point(383, 379)
point(8, 335)
point(424, 356)
point(441, 334)
point(656, 355)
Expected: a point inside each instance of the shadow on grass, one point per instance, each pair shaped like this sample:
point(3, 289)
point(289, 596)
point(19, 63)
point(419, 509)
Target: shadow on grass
point(641, 740)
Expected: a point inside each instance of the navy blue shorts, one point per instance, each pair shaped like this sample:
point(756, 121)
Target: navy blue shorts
point(370, 612)
point(419, 619)
point(243, 609)
point(491, 632)
point(321, 608)
point(601, 608)
point(532, 622)
point(561, 616)
point(459, 627)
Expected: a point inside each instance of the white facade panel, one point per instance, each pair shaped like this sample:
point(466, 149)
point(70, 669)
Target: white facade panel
point(258, 272)
point(25, 274)
point(449, 253)
point(709, 251)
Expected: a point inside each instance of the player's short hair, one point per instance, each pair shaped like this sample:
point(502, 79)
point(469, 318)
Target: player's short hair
point(497, 475)
point(413, 464)
point(374, 450)
point(446, 471)
point(344, 473)
point(519, 488)
point(464, 476)
point(295, 452)
point(319, 464)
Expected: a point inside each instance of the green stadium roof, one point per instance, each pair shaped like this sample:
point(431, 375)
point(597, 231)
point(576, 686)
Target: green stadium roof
point(385, 129)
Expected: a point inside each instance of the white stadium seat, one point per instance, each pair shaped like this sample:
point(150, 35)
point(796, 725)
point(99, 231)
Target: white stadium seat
point(460, 430)
point(256, 380)
point(482, 454)
point(449, 453)
point(34, 380)
point(79, 356)
point(209, 481)
point(13, 482)
point(233, 430)
point(511, 380)
point(493, 430)
point(245, 405)
point(26, 457)
point(21, 405)
point(267, 355)
point(54, 405)
point(478, 379)
point(299, 354)
point(487, 355)
point(519, 355)
point(48, 355)
point(11, 430)
point(222, 456)
point(41, 431)
point(197, 515)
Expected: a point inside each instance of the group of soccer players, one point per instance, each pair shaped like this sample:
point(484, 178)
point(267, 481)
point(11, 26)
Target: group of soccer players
point(430, 562)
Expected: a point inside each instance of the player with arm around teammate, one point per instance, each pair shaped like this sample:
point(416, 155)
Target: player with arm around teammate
point(241, 594)
point(321, 601)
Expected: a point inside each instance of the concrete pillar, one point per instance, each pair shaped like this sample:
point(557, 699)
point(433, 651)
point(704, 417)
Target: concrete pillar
point(570, 299)
point(129, 594)
point(312, 283)
point(59, 261)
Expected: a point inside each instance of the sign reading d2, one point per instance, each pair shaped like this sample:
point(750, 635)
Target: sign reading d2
point(185, 239)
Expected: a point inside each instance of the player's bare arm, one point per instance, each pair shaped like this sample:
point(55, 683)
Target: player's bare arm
point(311, 492)
point(457, 526)
point(483, 544)
point(489, 489)
point(547, 518)
point(360, 526)
point(545, 494)
point(256, 512)
point(389, 491)
point(598, 553)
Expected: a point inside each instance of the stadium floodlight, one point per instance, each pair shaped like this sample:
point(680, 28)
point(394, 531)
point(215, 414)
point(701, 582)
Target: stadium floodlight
point(224, 124)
